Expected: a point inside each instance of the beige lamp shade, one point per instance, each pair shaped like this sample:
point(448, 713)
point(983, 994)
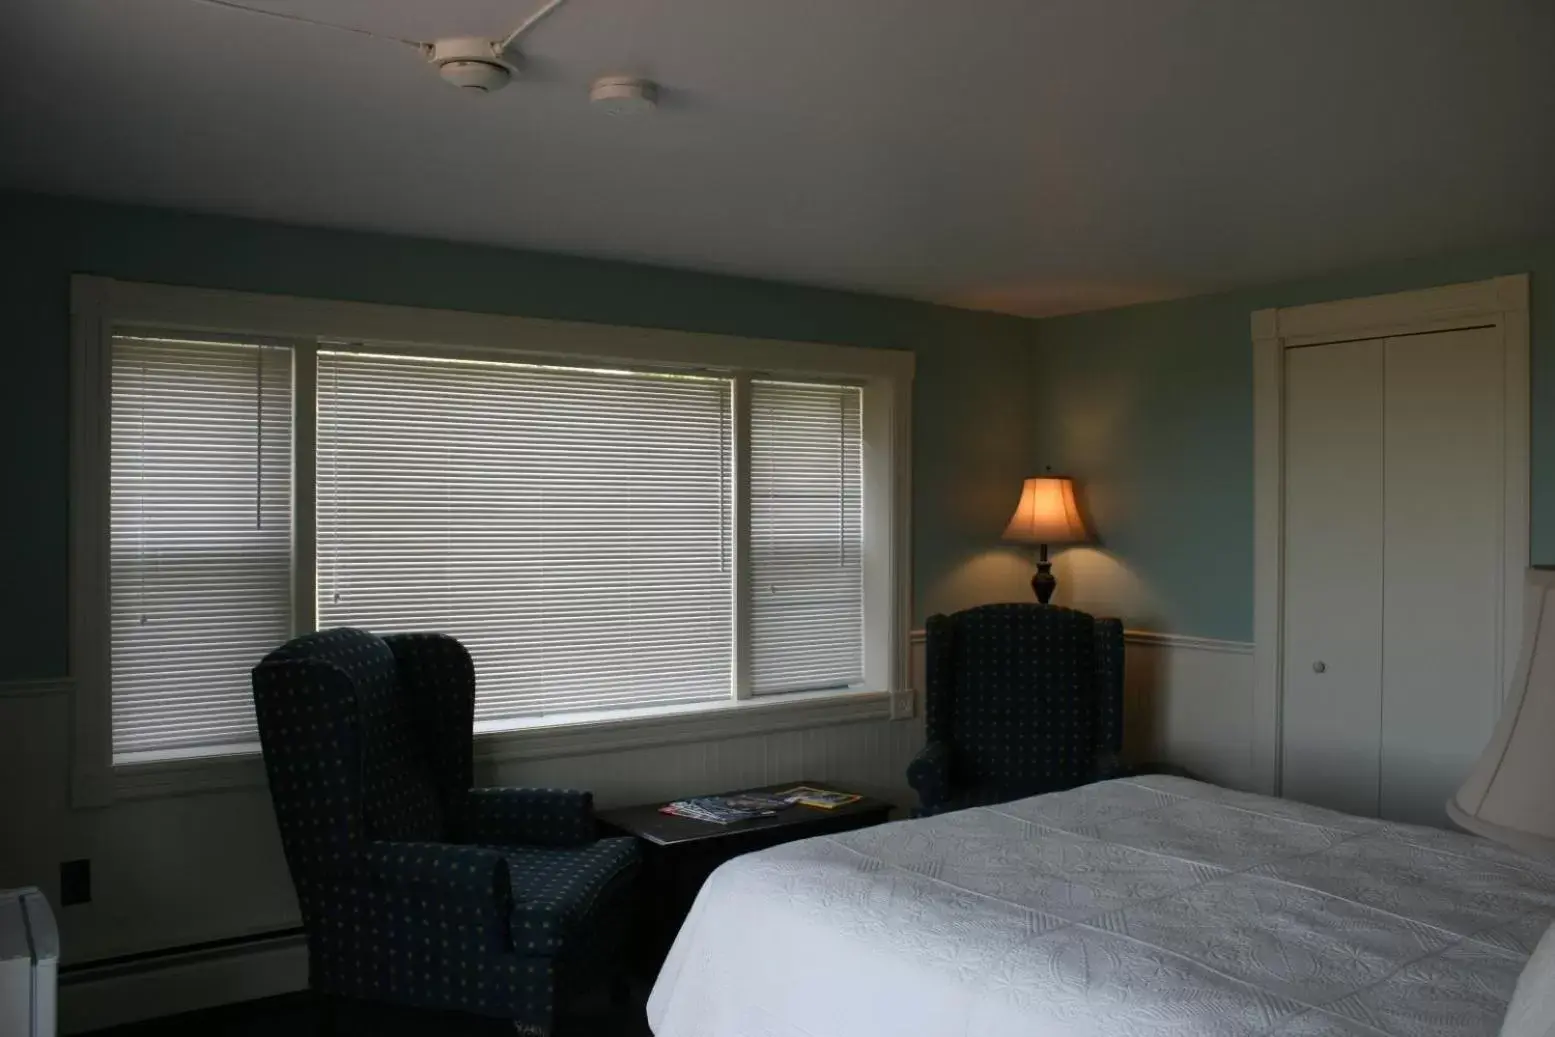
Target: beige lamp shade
point(1510, 794)
point(1047, 513)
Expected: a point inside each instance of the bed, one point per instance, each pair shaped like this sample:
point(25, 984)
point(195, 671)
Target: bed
point(1146, 906)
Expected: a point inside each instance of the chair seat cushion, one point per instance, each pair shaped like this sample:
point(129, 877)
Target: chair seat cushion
point(557, 888)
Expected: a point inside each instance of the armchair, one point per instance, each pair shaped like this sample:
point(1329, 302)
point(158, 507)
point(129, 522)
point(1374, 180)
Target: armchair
point(1021, 699)
point(416, 888)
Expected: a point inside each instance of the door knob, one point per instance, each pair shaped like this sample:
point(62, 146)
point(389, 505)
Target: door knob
point(1319, 666)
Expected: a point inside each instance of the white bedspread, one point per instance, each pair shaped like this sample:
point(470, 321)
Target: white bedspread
point(1152, 906)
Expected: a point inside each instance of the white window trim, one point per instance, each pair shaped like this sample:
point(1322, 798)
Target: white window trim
point(98, 305)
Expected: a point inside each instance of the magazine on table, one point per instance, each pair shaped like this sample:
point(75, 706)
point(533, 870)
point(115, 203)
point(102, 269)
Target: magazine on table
point(724, 810)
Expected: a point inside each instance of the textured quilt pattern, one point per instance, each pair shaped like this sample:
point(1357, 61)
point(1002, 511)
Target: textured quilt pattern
point(1152, 906)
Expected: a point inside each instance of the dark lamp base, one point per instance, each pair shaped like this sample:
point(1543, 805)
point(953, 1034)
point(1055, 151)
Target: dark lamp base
point(1044, 583)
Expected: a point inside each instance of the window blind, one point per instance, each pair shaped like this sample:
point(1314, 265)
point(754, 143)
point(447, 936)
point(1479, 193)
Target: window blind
point(806, 532)
point(200, 536)
point(571, 527)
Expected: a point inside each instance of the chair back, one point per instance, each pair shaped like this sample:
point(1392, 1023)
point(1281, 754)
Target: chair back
point(1029, 696)
point(346, 761)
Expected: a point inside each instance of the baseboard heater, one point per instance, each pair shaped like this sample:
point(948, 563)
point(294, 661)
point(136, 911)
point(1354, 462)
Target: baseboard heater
point(173, 980)
point(29, 964)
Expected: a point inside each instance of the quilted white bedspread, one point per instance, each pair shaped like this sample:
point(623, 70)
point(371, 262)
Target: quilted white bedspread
point(1152, 906)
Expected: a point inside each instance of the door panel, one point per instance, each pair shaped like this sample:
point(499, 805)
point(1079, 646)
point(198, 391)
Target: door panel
point(1442, 588)
point(1333, 576)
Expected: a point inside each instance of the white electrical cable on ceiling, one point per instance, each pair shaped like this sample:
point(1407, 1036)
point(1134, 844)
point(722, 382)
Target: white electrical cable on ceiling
point(286, 17)
point(529, 23)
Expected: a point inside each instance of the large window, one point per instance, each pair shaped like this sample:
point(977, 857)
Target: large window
point(611, 538)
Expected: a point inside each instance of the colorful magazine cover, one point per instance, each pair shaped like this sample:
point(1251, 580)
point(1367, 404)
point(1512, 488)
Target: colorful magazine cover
point(823, 798)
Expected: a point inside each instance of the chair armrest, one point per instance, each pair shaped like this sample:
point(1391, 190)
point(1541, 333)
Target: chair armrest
point(929, 772)
point(537, 817)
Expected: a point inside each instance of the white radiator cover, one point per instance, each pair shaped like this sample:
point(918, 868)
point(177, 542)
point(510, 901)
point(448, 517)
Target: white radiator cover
point(29, 964)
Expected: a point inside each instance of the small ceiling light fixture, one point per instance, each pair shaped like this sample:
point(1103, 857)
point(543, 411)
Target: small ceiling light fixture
point(471, 63)
point(624, 95)
point(475, 64)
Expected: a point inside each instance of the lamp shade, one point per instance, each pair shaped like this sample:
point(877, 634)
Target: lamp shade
point(1047, 513)
point(1510, 794)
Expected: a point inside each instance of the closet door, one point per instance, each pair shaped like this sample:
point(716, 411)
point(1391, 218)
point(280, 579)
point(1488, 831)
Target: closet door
point(1333, 574)
point(1443, 463)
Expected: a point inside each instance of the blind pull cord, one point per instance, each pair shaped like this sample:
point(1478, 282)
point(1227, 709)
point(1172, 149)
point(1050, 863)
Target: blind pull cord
point(334, 476)
point(259, 438)
point(842, 482)
point(140, 501)
point(724, 399)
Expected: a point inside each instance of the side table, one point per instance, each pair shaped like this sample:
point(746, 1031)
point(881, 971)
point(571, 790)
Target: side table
point(680, 853)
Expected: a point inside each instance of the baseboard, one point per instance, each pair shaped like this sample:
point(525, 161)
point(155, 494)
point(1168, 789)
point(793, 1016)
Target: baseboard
point(98, 996)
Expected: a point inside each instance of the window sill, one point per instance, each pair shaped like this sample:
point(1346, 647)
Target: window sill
point(541, 740)
point(580, 736)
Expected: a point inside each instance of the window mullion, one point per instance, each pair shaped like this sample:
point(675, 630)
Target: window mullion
point(304, 497)
point(742, 536)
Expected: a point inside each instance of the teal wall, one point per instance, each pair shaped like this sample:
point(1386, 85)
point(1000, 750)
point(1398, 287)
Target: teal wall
point(971, 431)
point(1151, 407)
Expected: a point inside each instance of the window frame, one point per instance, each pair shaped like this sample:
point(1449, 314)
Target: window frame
point(100, 305)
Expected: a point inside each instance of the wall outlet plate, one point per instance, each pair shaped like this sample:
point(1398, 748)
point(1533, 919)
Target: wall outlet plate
point(75, 882)
point(902, 704)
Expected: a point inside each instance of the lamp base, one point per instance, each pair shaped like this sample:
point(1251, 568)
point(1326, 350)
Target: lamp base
point(1044, 583)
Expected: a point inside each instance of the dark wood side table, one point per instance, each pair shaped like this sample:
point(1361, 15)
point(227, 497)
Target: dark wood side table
point(680, 853)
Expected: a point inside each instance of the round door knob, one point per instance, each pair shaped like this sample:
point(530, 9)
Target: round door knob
point(1319, 666)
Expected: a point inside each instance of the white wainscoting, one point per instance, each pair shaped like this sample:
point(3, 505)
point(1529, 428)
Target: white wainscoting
point(1189, 701)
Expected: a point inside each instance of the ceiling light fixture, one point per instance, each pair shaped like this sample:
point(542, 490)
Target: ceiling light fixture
point(472, 63)
point(624, 95)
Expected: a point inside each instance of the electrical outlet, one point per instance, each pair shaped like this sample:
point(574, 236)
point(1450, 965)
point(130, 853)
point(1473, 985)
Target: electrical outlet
point(902, 704)
point(75, 882)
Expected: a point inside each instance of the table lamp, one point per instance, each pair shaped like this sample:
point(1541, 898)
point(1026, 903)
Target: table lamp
point(1047, 514)
point(1510, 794)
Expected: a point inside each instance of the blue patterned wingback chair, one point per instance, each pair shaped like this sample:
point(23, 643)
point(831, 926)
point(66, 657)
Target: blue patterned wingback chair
point(1021, 699)
point(415, 887)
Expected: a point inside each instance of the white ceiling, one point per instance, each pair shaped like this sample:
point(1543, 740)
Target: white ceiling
point(1031, 156)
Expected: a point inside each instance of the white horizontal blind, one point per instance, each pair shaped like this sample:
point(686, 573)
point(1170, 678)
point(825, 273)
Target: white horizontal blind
point(200, 536)
point(571, 527)
point(807, 540)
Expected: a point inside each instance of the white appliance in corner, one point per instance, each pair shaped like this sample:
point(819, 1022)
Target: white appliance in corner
point(29, 964)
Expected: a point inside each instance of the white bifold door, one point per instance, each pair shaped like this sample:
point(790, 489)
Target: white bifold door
point(1393, 568)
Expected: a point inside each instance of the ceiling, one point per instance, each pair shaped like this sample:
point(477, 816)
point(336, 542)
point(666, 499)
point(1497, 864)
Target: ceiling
point(1028, 156)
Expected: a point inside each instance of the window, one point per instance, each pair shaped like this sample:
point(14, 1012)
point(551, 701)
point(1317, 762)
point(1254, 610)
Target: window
point(807, 537)
point(571, 527)
point(200, 542)
point(621, 525)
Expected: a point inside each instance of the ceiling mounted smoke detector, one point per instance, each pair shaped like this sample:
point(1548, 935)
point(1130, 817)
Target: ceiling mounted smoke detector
point(471, 63)
point(624, 95)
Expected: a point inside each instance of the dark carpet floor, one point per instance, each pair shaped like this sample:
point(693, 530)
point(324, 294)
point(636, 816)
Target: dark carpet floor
point(297, 1015)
